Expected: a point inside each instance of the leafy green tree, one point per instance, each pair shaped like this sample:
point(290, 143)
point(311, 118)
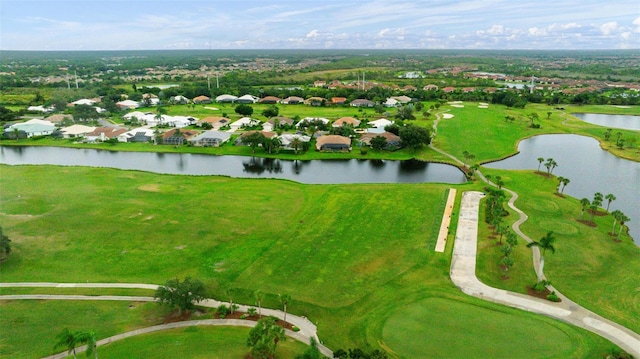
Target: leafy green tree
point(545, 243)
point(405, 113)
point(296, 143)
point(69, 340)
point(506, 262)
point(414, 136)
point(512, 238)
point(312, 351)
point(285, 299)
point(610, 198)
point(244, 110)
point(5, 246)
point(393, 128)
point(617, 215)
point(565, 182)
point(378, 143)
point(622, 219)
point(264, 337)
point(607, 134)
point(182, 295)
point(271, 111)
point(254, 139)
point(85, 113)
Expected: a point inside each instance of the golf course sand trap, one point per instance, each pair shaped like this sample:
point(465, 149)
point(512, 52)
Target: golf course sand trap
point(211, 108)
point(446, 219)
point(447, 115)
point(458, 106)
point(483, 106)
point(454, 102)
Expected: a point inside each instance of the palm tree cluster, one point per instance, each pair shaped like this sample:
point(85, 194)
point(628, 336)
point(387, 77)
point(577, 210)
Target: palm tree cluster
point(71, 339)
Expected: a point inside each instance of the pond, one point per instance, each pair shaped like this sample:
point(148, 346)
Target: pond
point(626, 122)
point(311, 172)
point(589, 168)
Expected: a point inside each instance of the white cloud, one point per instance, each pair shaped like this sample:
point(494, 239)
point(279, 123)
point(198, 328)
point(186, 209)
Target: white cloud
point(609, 28)
point(496, 30)
point(312, 33)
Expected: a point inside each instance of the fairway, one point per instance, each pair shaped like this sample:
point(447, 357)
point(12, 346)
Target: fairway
point(450, 329)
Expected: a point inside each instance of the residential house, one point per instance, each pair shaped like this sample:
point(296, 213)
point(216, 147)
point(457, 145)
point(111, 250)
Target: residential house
point(210, 138)
point(391, 102)
point(140, 134)
point(333, 143)
point(315, 101)
point(346, 121)
point(338, 100)
point(33, 127)
point(226, 98)
point(287, 138)
point(178, 100)
point(244, 122)
point(128, 104)
point(276, 122)
point(393, 140)
point(381, 123)
point(202, 99)
point(40, 109)
point(402, 99)
point(178, 137)
point(267, 134)
point(104, 133)
point(361, 102)
point(448, 89)
point(292, 100)
point(408, 88)
point(75, 131)
point(319, 83)
point(59, 118)
point(247, 99)
point(430, 87)
point(215, 122)
point(83, 101)
point(270, 100)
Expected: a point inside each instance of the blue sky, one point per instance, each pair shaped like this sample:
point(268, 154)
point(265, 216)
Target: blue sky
point(301, 24)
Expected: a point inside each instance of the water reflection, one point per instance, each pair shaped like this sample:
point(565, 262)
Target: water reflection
point(627, 122)
point(259, 165)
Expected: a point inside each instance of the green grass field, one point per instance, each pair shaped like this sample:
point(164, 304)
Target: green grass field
point(349, 255)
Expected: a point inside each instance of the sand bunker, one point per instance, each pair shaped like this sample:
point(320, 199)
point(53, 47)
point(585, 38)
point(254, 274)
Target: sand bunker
point(482, 106)
point(447, 115)
point(454, 102)
point(458, 106)
point(211, 108)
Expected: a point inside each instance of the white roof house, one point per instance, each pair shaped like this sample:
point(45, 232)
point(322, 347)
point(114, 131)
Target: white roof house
point(244, 122)
point(286, 139)
point(40, 108)
point(391, 102)
point(247, 99)
point(136, 132)
point(33, 127)
point(381, 123)
point(83, 101)
point(226, 98)
point(128, 104)
point(76, 131)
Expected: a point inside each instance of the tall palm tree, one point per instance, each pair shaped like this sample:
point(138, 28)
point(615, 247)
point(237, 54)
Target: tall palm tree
point(617, 215)
point(91, 340)
point(565, 182)
point(259, 295)
point(68, 339)
point(584, 203)
point(610, 198)
point(540, 160)
point(296, 143)
point(285, 299)
point(545, 243)
point(623, 219)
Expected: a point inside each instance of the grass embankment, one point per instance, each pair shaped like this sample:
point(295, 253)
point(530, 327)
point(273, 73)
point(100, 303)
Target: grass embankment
point(489, 136)
point(352, 257)
point(589, 266)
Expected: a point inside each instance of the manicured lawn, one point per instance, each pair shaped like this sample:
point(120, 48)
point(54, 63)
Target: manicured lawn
point(588, 265)
point(349, 255)
point(452, 329)
point(194, 342)
point(28, 328)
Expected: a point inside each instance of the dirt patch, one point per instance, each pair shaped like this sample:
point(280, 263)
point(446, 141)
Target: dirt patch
point(586, 222)
point(151, 187)
point(560, 195)
point(540, 294)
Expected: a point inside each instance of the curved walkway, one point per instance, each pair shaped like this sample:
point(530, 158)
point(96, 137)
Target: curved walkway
point(307, 328)
point(190, 323)
point(463, 266)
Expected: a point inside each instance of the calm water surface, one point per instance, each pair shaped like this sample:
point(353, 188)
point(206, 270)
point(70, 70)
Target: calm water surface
point(312, 172)
point(627, 122)
point(589, 168)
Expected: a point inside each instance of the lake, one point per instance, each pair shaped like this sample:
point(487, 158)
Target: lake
point(589, 168)
point(626, 122)
point(311, 172)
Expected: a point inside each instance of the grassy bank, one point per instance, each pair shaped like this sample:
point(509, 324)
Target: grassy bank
point(351, 256)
